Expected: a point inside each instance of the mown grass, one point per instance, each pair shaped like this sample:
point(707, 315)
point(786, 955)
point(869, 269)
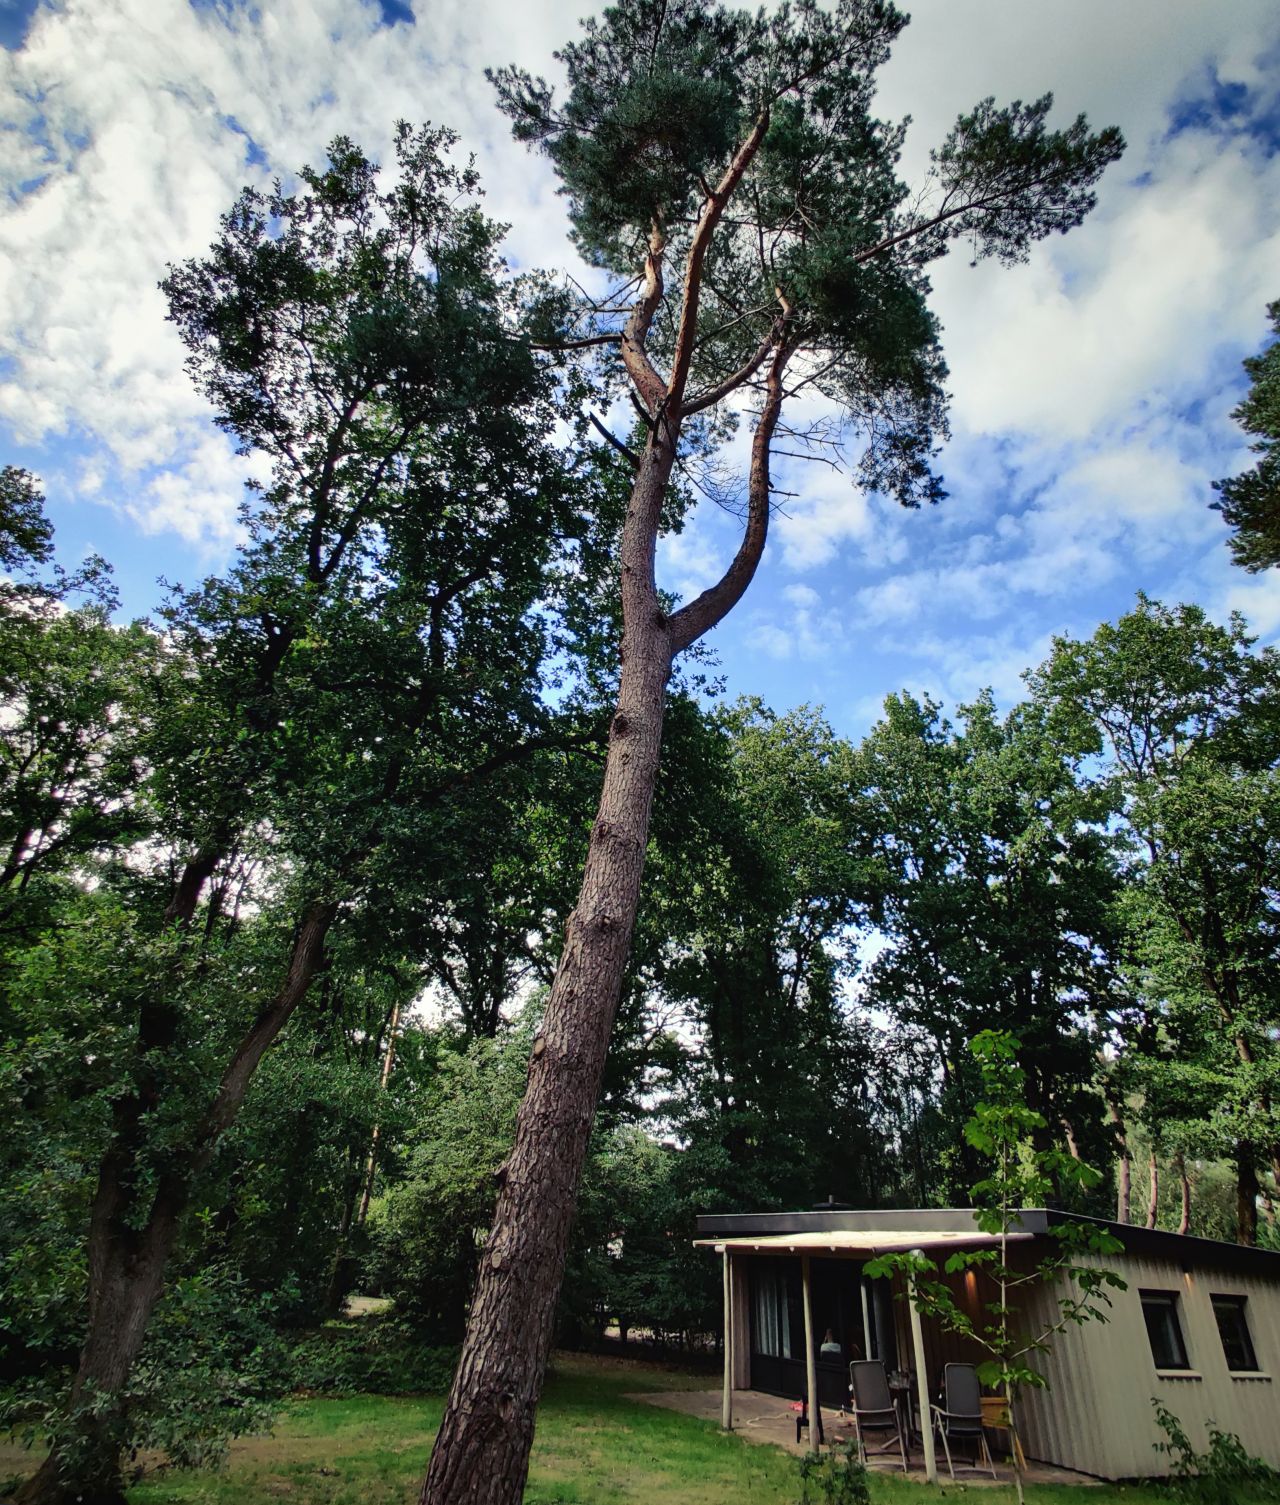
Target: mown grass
point(594, 1447)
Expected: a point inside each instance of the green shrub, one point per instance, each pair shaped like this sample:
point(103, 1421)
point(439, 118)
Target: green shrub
point(371, 1357)
point(836, 1477)
point(1224, 1475)
point(213, 1367)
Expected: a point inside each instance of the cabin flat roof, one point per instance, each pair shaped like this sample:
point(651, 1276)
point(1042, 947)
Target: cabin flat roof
point(893, 1229)
point(870, 1241)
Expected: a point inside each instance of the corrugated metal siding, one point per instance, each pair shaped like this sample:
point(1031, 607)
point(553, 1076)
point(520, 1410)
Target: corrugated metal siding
point(1097, 1415)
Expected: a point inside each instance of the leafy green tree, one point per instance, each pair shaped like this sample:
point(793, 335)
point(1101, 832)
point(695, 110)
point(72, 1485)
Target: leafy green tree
point(426, 1229)
point(1002, 1130)
point(773, 1099)
point(26, 535)
point(78, 695)
point(1250, 502)
point(725, 170)
point(373, 654)
point(992, 883)
point(1184, 715)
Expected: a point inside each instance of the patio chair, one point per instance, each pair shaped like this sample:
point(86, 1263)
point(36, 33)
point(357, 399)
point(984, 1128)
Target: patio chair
point(960, 1416)
point(873, 1409)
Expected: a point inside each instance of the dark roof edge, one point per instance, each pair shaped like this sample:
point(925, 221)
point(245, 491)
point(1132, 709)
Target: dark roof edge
point(899, 1219)
point(1185, 1248)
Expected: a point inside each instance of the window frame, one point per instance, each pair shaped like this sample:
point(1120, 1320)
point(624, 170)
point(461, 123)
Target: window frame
point(1240, 1304)
point(1168, 1302)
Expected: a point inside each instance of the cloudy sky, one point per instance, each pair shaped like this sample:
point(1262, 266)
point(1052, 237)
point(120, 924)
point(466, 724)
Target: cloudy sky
point(1092, 388)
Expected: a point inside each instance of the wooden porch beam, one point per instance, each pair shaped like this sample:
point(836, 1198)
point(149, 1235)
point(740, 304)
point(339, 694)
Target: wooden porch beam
point(810, 1359)
point(922, 1383)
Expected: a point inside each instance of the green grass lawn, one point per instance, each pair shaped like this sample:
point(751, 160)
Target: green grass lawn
point(593, 1448)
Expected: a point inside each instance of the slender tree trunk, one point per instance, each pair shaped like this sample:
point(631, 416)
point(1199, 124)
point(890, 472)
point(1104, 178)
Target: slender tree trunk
point(481, 1453)
point(371, 1165)
point(1184, 1221)
point(129, 1247)
point(339, 1275)
point(1246, 1197)
point(1124, 1167)
point(1153, 1200)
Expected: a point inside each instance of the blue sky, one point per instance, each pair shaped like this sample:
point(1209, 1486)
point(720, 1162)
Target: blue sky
point(1091, 388)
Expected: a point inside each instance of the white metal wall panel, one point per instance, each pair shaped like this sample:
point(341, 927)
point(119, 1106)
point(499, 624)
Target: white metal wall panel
point(1098, 1416)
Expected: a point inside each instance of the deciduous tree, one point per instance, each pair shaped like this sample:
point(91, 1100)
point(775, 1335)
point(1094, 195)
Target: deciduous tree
point(374, 651)
point(1186, 717)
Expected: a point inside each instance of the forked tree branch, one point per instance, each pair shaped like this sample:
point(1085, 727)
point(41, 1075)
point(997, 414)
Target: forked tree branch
point(712, 209)
point(649, 385)
point(721, 390)
point(701, 614)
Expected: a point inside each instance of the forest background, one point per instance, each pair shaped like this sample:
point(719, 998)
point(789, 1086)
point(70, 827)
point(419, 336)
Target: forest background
point(338, 789)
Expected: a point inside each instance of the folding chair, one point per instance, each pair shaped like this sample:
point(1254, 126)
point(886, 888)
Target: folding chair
point(960, 1416)
point(873, 1409)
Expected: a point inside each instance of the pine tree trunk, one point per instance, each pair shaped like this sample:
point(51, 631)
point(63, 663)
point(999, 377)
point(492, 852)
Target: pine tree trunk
point(1153, 1200)
point(481, 1453)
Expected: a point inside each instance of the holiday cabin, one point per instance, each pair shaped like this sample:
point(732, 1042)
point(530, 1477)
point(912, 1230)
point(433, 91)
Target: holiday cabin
point(1198, 1329)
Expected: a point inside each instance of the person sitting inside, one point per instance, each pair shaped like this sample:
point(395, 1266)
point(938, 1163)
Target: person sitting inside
point(830, 1348)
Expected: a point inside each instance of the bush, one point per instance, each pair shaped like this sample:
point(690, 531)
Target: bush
point(377, 1356)
point(837, 1477)
point(1225, 1475)
point(212, 1368)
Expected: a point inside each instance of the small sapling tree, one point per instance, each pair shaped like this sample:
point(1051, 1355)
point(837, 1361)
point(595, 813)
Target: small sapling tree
point(1070, 1286)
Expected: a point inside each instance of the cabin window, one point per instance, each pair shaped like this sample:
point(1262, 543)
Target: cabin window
point(772, 1314)
point(1233, 1329)
point(1160, 1310)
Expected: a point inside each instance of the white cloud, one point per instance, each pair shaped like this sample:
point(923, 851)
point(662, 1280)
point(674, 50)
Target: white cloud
point(1124, 314)
point(808, 632)
point(132, 142)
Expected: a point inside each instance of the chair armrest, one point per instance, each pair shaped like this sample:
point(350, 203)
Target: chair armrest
point(886, 1411)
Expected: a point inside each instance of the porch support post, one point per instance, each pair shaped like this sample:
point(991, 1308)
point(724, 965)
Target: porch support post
point(866, 1317)
point(810, 1360)
point(922, 1381)
point(726, 1400)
